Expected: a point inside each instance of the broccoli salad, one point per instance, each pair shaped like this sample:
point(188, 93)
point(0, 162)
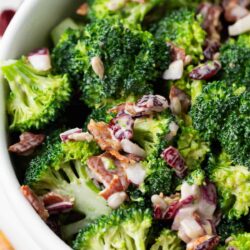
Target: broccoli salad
point(132, 131)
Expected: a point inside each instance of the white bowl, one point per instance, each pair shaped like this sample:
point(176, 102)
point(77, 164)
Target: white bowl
point(29, 29)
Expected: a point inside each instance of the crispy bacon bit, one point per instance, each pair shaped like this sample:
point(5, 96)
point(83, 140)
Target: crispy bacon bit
point(83, 10)
point(173, 158)
point(114, 187)
point(36, 203)
point(134, 158)
point(205, 71)
point(27, 144)
point(120, 157)
point(177, 53)
point(4, 242)
point(124, 108)
point(179, 101)
point(103, 136)
point(206, 242)
point(151, 103)
point(52, 198)
point(122, 126)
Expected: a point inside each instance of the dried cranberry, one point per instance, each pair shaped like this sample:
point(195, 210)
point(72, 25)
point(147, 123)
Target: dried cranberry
point(173, 158)
point(5, 18)
point(205, 71)
point(210, 49)
point(158, 215)
point(122, 126)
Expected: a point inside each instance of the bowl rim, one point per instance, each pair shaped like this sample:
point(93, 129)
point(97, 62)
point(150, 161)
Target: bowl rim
point(26, 215)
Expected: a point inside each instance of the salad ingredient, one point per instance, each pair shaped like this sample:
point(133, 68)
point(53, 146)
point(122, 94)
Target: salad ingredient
point(241, 26)
point(207, 242)
point(40, 59)
point(132, 148)
point(36, 203)
point(35, 100)
point(97, 66)
point(139, 60)
point(60, 207)
point(27, 144)
point(167, 240)
point(122, 228)
point(182, 23)
point(116, 199)
point(83, 10)
point(65, 135)
point(5, 18)
point(136, 173)
point(175, 71)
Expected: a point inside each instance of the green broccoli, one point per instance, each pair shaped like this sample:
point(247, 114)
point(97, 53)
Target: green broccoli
point(212, 106)
point(150, 133)
point(196, 177)
point(35, 98)
point(235, 60)
point(122, 229)
point(235, 133)
point(61, 167)
point(239, 242)
point(131, 60)
point(228, 227)
point(130, 12)
point(233, 186)
point(167, 240)
point(192, 147)
point(182, 28)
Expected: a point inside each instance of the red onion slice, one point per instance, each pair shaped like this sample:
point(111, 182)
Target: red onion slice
point(136, 173)
point(5, 18)
point(132, 148)
point(173, 158)
point(60, 207)
point(65, 135)
point(40, 59)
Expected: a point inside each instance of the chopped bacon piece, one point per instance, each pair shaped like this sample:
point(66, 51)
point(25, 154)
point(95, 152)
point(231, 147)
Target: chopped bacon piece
point(206, 242)
point(122, 126)
point(151, 103)
point(134, 158)
point(114, 186)
point(27, 144)
point(180, 101)
point(4, 242)
point(83, 10)
point(120, 157)
point(103, 135)
point(173, 158)
point(36, 203)
point(52, 198)
point(177, 53)
point(124, 108)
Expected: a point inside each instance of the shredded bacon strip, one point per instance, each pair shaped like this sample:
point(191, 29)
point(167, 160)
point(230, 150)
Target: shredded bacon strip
point(103, 136)
point(36, 203)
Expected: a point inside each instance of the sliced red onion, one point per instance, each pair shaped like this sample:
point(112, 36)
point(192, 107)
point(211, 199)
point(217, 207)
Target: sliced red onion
point(182, 214)
point(191, 228)
point(182, 235)
point(206, 210)
point(122, 126)
point(205, 71)
point(173, 127)
point(60, 207)
point(116, 199)
point(158, 201)
point(207, 226)
point(188, 190)
point(136, 173)
point(175, 71)
point(173, 158)
point(65, 135)
point(209, 193)
point(132, 148)
point(5, 18)
point(40, 59)
point(176, 206)
point(84, 136)
point(240, 27)
point(151, 103)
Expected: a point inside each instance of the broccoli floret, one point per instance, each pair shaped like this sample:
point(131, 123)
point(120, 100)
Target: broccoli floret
point(235, 134)
point(212, 106)
point(150, 132)
point(122, 229)
point(132, 59)
point(239, 241)
point(228, 227)
point(130, 12)
point(183, 28)
point(233, 185)
point(167, 240)
point(192, 147)
point(235, 60)
point(159, 177)
point(196, 177)
point(35, 98)
point(61, 167)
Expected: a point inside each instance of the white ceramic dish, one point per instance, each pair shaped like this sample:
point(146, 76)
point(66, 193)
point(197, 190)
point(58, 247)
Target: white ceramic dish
point(28, 30)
